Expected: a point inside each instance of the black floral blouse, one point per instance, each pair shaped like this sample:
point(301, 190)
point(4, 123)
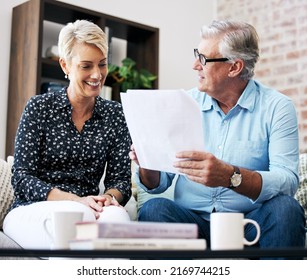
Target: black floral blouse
point(50, 152)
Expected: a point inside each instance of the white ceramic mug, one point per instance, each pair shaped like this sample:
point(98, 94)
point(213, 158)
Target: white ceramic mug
point(60, 227)
point(227, 231)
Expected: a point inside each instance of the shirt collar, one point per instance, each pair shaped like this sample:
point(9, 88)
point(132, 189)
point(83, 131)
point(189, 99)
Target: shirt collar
point(61, 98)
point(100, 106)
point(62, 101)
point(247, 99)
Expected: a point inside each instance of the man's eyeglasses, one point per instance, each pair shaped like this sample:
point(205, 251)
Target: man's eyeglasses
point(203, 60)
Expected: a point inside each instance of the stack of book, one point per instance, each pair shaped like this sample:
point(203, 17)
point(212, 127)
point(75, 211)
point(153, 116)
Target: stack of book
point(137, 236)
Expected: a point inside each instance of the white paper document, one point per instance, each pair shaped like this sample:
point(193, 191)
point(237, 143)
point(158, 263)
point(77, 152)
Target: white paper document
point(162, 123)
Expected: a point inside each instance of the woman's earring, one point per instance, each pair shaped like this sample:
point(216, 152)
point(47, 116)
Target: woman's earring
point(66, 76)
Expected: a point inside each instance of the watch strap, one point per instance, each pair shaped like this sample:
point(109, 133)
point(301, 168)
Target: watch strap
point(236, 169)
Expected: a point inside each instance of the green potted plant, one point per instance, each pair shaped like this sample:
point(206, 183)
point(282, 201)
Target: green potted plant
point(128, 76)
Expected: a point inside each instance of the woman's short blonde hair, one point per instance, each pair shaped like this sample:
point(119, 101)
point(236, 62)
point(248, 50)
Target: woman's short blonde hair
point(81, 31)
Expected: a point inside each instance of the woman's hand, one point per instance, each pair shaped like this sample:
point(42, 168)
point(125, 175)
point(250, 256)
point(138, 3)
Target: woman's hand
point(96, 203)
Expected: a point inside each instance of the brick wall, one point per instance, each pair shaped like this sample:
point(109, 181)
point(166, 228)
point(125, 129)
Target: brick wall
point(282, 28)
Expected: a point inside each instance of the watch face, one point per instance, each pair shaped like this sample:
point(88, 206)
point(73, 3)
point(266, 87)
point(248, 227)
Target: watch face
point(236, 180)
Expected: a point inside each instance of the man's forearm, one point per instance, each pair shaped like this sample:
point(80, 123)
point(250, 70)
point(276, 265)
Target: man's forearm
point(251, 184)
point(149, 178)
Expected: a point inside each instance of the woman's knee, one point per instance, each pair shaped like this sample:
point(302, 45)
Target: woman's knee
point(88, 214)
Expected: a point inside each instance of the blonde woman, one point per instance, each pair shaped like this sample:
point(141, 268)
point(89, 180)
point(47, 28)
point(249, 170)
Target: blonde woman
point(65, 141)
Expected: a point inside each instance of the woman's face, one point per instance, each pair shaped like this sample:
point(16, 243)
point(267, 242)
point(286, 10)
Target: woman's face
point(87, 70)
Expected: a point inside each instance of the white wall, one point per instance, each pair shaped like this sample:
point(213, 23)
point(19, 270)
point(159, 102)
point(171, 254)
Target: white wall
point(179, 22)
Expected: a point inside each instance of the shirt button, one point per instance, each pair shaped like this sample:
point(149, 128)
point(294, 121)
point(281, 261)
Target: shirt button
point(220, 147)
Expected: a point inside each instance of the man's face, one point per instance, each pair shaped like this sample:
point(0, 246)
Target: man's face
point(213, 75)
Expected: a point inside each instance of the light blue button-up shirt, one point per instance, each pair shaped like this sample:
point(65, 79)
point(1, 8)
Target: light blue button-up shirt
point(260, 133)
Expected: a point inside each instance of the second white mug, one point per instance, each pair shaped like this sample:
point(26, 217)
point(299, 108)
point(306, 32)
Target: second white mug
point(227, 231)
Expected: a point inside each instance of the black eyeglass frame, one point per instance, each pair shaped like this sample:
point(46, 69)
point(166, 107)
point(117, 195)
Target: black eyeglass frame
point(203, 60)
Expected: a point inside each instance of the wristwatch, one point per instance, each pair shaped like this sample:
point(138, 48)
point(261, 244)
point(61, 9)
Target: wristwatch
point(236, 178)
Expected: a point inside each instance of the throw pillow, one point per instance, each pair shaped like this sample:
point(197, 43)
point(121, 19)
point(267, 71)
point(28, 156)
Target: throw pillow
point(301, 194)
point(143, 196)
point(6, 190)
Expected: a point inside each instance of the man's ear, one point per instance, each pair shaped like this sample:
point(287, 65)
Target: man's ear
point(236, 68)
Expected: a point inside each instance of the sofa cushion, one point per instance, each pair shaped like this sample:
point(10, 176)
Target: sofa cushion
point(6, 242)
point(6, 190)
point(301, 194)
point(143, 196)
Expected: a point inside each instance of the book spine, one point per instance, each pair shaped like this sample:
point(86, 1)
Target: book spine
point(136, 230)
point(140, 231)
point(148, 245)
point(139, 244)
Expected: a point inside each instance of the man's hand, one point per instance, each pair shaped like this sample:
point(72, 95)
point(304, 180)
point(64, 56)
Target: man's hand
point(132, 155)
point(150, 178)
point(204, 168)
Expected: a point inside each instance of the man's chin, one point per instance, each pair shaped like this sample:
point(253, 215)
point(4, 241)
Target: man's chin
point(201, 88)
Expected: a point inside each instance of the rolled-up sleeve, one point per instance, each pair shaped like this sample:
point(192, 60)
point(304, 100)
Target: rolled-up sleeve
point(165, 182)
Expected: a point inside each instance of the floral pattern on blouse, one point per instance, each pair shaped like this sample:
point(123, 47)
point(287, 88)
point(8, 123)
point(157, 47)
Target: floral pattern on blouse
point(51, 153)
